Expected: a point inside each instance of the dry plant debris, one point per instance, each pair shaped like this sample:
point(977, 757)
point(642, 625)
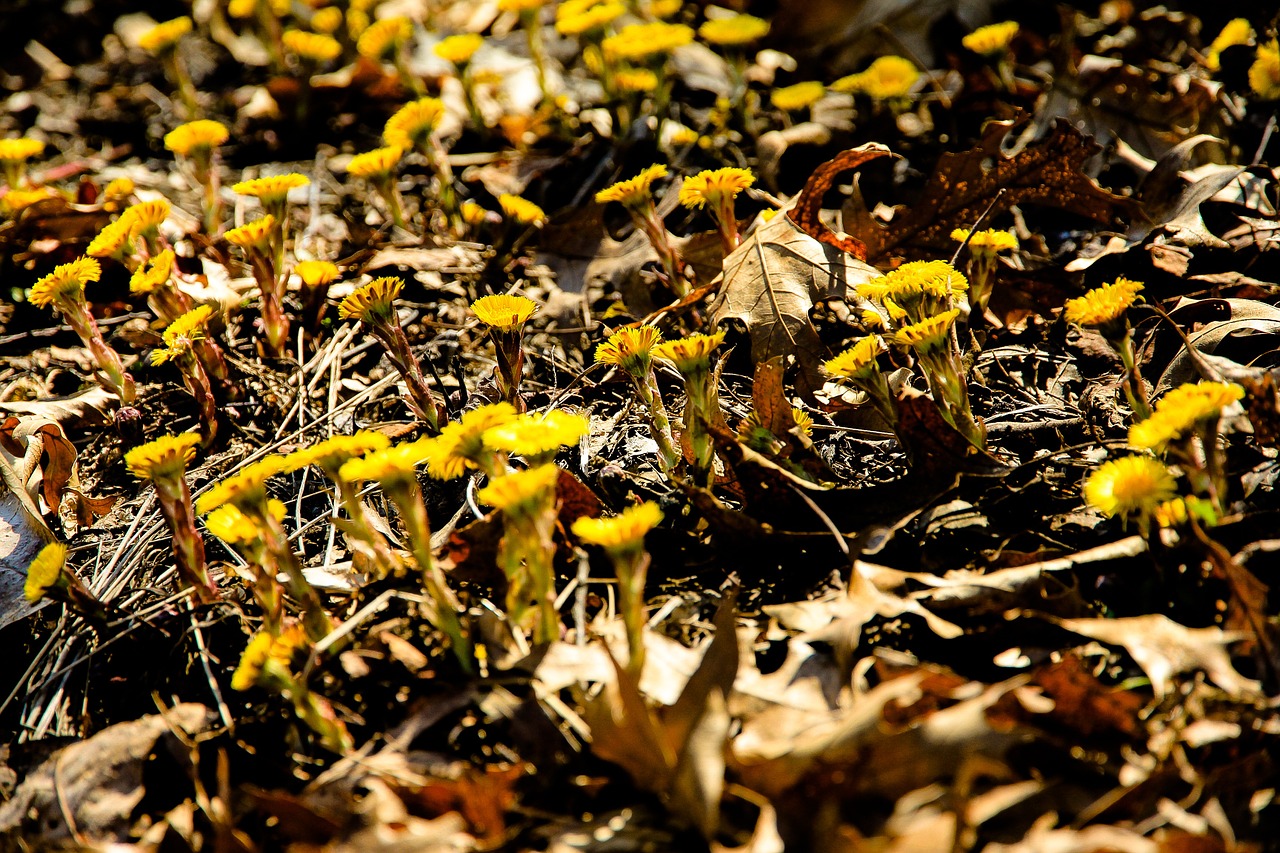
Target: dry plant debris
point(646, 425)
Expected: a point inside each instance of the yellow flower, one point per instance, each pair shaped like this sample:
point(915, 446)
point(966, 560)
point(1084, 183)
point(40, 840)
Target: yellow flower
point(1182, 410)
point(504, 312)
point(1128, 485)
point(797, 96)
point(384, 36)
point(1102, 305)
point(1264, 73)
point(858, 361)
point(65, 283)
point(460, 444)
point(635, 80)
point(991, 39)
point(886, 78)
point(473, 214)
point(115, 238)
point(930, 334)
point(45, 571)
point(533, 435)
point(662, 8)
point(118, 189)
point(630, 348)
point(19, 150)
point(164, 37)
point(373, 301)
point(252, 235)
point(165, 458)
point(232, 526)
point(272, 189)
point(624, 532)
point(521, 490)
point(153, 274)
point(989, 241)
point(195, 136)
point(327, 20)
point(334, 451)
point(520, 209)
point(690, 353)
point(1237, 31)
point(182, 334)
point(145, 217)
point(734, 31)
point(916, 289)
point(575, 17)
point(316, 273)
point(387, 465)
point(15, 200)
point(459, 49)
point(519, 5)
point(246, 489)
point(413, 124)
point(267, 651)
point(639, 41)
point(316, 47)
point(375, 165)
point(241, 9)
point(633, 192)
point(713, 186)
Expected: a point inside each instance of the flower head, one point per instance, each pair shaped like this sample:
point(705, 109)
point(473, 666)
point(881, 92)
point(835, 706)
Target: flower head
point(519, 5)
point(624, 532)
point(332, 452)
point(990, 241)
point(273, 189)
point(253, 235)
point(504, 312)
point(991, 39)
point(1237, 31)
point(930, 334)
point(375, 165)
point(247, 489)
point(797, 96)
point(630, 348)
point(152, 275)
point(316, 273)
point(1181, 410)
point(114, 240)
point(522, 490)
point(165, 458)
point(195, 137)
point(633, 192)
point(145, 217)
point(315, 47)
point(182, 334)
point(857, 361)
point(521, 209)
point(327, 20)
point(886, 78)
point(474, 214)
point(372, 301)
point(714, 186)
point(387, 465)
point(1128, 485)
point(66, 283)
point(164, 37)
point(384, 36)
point(575, 17)
point(265, 652)
point(635, 80)
point(460, 444)
point(690, 353)
point(16, 200)
point(1264, 73)
point(916, 290)
point(1103, 305)
point(414, 123)
point(532, 435)
point(734, 31)
point(19, 150)
point(45, 571)
point(459, 49)
point(640, 41)
point(232, 526)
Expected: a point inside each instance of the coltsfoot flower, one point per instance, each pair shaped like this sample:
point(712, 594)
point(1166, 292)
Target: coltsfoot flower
point(504, 312)
point(624, 532)
point(536, 435)
point(690, 353)
point(1129, 485)
point(1181, 410)
point(314, 47)
point(1264, 73)
point(641, 41)
point(714, 186)
point(66, 283)
point(165, 36)
point(633, 192)
point(460, 48)
point(521, 491)
point(521, 210)
point(991, 39)
point(887, 78)
point(253, 235)
point(186, 140)
point(858, 361)
point(1103, 306)
point(384, 36)
point(460, 446)
point(734, 31)
point(413, 124)
point(372, 302)
point(272, 189)
point(797, 96)
point(929, 335)
point(248, 488)
point(630, 348)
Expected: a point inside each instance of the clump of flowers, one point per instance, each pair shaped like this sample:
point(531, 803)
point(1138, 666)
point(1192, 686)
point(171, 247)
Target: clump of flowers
point(527, 502)
point(49, 578)
point(622, 538)
point(636, 195)
point(1105, 309)
point(1132, 486)
point(194, 143)
point(63, 290)
point(505, 316)
point(164, 463)
point(537, 438)
point(461, 445)
point(631, 349)
point(378, 168)
point(373, 304)
point(887, 79)
point(14, 154)
point(644, 46)
point(254, 239)
point(859, 366)
point(181, 339)
point(460, 49)
point(716, 189)
point(691, 356)
point(984, 248)
point(162, 42)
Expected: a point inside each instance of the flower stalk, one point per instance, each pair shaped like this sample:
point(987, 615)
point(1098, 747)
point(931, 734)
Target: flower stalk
point(255, 241)
point(505, 317)
point(527, 502)
point(691, 356)
point(632, 350)
point(635, 194)
point(181, 339)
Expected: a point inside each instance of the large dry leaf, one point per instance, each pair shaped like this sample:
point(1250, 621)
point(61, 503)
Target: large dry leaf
point(983, 183)
point(772, 281)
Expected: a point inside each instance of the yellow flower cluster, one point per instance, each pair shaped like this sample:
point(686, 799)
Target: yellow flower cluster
point(245, 489)
point(165, 458)
point(633, 192)
point(917, 290)
point(182, 334)
point(1103, 305)
point(886, 78)
point(388, 464)
point(532, 435)
point(1181, 410)
point(461, 443)
point(336, 450)
point(1132, 484)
